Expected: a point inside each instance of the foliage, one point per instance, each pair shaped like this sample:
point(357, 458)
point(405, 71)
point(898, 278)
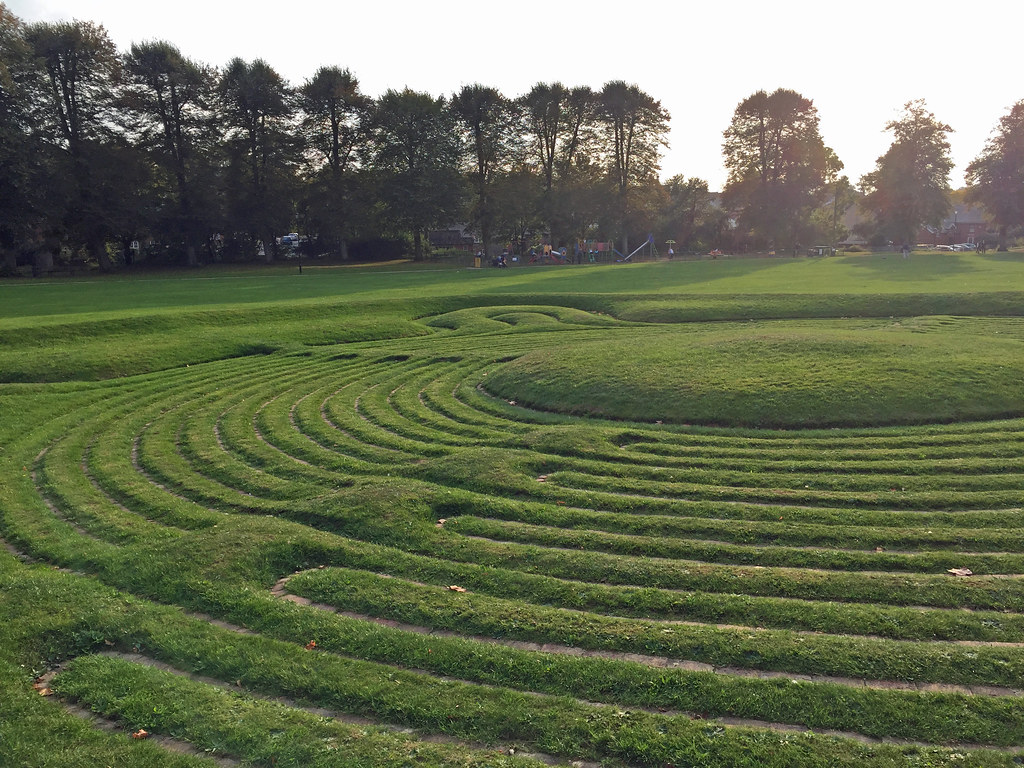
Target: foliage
point(258, 106)
point(635, 126)
point(996, 177)
point(909, 187)
point(491, 145)
point(778, 165)
point(170, 100)
point(336, 130)
point(416, 153)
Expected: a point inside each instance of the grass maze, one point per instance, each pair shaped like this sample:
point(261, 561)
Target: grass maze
point(374, 555)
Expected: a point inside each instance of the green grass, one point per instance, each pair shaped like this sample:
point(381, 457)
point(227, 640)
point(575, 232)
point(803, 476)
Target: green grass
point(775, 378)
point(837, 435)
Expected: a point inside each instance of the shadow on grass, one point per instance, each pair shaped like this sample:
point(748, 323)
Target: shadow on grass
point(919, 267)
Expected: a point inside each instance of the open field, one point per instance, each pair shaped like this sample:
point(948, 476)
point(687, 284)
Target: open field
point(357, 518)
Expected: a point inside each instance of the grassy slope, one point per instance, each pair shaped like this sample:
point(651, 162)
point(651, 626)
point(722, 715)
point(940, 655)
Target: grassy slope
point(63, 331)
point(54, 330)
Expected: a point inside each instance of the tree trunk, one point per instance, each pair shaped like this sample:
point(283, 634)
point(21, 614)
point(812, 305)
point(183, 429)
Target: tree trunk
point(42, 262)
point(10, 261)
point(269, 247)
point(98, 249)
point(417, 245)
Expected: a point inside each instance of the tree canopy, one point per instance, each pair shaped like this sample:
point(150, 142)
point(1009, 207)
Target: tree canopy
point(996, 176)
point(778, 165)
point(101, 150)
point(909, 187)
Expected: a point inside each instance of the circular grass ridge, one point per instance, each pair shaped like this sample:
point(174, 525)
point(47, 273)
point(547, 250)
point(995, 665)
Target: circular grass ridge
point(489, 574)
point(774, 378)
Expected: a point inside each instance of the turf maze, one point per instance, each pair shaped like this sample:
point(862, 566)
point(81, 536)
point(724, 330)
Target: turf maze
point(361, 555)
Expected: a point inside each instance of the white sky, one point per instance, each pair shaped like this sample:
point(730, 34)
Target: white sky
point(859, 62)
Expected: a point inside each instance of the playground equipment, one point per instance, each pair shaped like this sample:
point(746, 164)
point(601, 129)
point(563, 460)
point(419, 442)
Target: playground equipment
point(648, 242)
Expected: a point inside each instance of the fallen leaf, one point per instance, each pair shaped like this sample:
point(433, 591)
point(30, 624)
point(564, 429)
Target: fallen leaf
point(441, 522)
point(45, 691)
point(457, 588)
point(879, 549)
point(311, 645)
point(140, 734)
point(961, 571)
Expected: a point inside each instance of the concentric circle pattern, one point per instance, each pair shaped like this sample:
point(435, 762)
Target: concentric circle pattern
point(365, 530)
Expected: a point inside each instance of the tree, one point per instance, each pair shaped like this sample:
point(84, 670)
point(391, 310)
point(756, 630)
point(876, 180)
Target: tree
point(491, 145)
point(517, 208)
point(21, 210)
point(336, 130)
point(169, 99)
point(995, 178)
point(689, 203)
point(909, 187)
point(80, 67)
point(416, 154)
point(560, 131)
point(636, 126)
point(777, 163)
point(258, 108)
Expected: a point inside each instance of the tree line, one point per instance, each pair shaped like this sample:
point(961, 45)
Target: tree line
point(100, 149)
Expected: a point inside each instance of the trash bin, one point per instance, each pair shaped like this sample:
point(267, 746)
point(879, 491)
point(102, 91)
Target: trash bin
point(476, 262)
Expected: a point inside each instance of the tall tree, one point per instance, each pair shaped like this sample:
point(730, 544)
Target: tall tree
point(170, 99)
point(491, 144)
point(777, 163)
point(544, 125)
point(258, 108)
point(636, 127)
point(336, 129)
point(995, 177)
point(909, 187)
point(20, 179)
point(80, 66)
point(689, 203)
point(416, 154)
point(559, 126)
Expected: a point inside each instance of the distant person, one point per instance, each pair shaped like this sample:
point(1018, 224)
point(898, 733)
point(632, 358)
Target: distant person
point(905, 250)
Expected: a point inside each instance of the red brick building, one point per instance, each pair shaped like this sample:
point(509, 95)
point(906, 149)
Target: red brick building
point(966, 224)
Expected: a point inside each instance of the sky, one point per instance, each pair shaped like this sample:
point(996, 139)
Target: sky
point(859, 62)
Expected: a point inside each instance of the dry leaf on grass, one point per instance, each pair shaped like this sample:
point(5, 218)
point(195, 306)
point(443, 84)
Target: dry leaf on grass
point(140, 734)
point(961, 571)
point(457, 588)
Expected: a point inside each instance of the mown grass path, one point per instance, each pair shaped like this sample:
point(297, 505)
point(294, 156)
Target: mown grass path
point(473, 582)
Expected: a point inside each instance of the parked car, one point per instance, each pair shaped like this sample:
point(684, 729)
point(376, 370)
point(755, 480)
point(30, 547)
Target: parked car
point(964, 247)
point(944, 248)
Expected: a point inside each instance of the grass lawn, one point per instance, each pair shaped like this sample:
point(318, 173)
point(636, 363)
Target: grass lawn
point(734, 512)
